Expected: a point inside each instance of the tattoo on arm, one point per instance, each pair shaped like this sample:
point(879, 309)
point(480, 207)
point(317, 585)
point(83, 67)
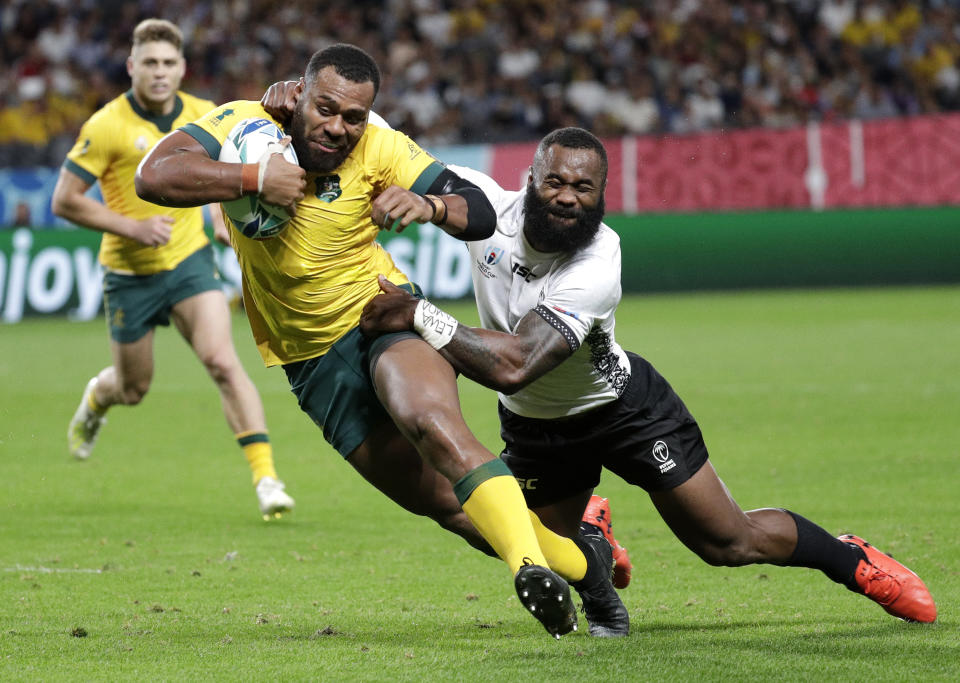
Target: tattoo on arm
point(508, 362)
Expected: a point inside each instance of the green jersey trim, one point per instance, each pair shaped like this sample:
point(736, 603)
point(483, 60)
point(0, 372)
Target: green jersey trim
point(163, 123)
point(207, 141)
point(426, 177)
point(79, 171)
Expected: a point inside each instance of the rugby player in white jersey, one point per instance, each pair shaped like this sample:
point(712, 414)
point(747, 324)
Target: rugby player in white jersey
point(573, 402)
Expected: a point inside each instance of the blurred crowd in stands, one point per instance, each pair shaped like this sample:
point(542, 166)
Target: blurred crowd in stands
point(486, 71)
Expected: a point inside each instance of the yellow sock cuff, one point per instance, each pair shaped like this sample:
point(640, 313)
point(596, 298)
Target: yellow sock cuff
point(93, 405)
point(467, 484)
point(498, 511)
point(259, 453)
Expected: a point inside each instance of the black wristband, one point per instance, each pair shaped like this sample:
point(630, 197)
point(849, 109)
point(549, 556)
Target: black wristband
point(439, 207)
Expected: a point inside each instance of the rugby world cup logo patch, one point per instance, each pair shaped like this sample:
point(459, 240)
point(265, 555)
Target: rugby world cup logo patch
point(493, 256)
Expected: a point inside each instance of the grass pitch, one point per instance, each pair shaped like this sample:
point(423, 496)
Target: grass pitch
point(150, 561)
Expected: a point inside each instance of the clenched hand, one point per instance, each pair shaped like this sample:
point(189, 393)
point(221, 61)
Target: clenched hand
point(390, 311)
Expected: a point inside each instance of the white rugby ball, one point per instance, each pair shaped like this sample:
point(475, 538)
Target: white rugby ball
point(247, 143)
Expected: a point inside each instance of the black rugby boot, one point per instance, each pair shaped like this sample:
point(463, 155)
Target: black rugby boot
point(547, 597)
point(606, 614)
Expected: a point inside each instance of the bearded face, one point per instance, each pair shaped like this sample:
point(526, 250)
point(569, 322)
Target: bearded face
point(566, 228)
point(564, 205)
point(329, 120)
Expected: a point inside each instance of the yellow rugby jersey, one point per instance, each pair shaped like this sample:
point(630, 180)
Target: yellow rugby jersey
point(304, 288)
point(111, 144)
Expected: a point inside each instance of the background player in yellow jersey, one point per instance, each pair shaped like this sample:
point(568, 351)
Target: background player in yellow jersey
point(158, 262)
point(390, 405)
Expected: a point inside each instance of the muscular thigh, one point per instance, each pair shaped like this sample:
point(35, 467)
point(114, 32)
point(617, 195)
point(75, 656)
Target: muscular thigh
point(701, 511)
point(335, 390)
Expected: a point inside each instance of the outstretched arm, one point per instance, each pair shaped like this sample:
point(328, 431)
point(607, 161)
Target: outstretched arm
point(499, 360)
point(179, 172)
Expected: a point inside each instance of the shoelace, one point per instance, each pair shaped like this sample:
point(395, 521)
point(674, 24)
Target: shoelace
point(881, 586)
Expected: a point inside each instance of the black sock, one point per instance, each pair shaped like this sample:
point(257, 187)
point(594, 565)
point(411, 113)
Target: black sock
point(819, 550)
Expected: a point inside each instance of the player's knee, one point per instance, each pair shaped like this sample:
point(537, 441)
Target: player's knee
point(132, 393)
point(221, 366)
point(728, 552)
point(422, 426)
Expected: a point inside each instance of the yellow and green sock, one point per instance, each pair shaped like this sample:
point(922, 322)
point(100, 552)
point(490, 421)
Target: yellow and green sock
point(256, 447)
point(492, 500)
point(94, 405)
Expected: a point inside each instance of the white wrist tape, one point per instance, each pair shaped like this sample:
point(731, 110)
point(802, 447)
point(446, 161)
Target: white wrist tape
point(435, 326)
point(272, 148)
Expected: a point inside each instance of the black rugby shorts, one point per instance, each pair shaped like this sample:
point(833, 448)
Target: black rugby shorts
point(647, 437)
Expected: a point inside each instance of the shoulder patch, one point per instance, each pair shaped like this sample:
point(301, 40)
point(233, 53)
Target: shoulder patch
point(218, 119)
point(415, 150)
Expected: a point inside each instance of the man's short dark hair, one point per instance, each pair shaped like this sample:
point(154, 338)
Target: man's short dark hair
point(349, 61)
point(572, 138)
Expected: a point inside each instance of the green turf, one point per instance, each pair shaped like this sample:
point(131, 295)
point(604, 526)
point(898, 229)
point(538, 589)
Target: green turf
point(841, 405)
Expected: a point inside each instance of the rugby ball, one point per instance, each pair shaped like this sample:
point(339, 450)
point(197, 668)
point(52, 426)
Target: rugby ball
point(247, 143)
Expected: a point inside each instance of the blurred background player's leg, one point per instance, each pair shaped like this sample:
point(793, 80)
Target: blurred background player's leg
point(125, 382)
point(204, 321)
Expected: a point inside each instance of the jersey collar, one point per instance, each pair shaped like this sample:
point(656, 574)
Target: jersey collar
point(163, 123)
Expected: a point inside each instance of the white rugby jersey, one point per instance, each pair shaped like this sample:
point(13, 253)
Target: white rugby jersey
point(576, 293)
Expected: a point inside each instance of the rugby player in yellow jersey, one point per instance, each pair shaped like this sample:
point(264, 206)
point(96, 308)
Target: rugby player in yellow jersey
point(158, 262)
point(390, 405)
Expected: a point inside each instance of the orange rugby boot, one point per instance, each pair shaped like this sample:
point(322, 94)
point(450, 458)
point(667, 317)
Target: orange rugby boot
point(887, 582)
point(597, 515)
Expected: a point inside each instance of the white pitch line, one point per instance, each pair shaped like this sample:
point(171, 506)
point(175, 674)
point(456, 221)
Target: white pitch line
point(52, 570)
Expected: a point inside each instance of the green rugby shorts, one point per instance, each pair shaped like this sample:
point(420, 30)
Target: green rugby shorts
point(336, 389)
point(135, 304)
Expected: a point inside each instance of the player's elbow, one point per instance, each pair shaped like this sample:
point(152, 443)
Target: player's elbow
point(58, 206)
point(152, 182)
point(63, 205)
point(146, 181)
point(486, 220)
point(511, 381)
point(482, 218)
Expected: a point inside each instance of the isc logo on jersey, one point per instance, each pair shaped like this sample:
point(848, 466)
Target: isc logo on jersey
point(522, 271)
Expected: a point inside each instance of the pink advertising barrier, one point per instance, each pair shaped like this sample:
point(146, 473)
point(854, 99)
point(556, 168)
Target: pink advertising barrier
point(893, 162)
